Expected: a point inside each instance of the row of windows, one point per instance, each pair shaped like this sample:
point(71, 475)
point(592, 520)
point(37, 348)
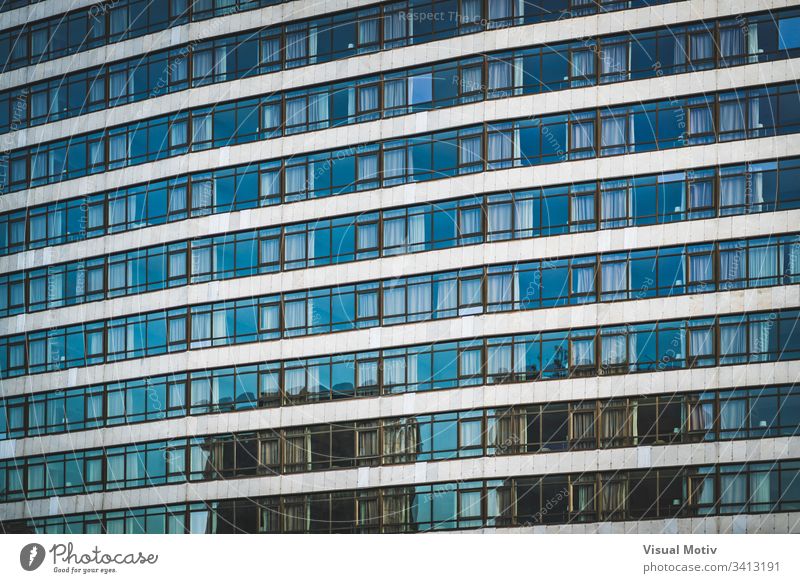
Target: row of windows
point(643, 127)
point(622, 202)
point(688, 491)
point(628, 275)
point(610, 350)
point(622, 275)
point(569, 426)
point(197, 9)
point(299, 43)
point(105, 23)
point(499, 74)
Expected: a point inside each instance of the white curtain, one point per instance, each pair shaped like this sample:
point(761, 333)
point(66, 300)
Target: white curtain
point(394, 93)
point(499, 218)
point(394, 301)
point(733, 340)
point(700, 268)
point(470, 221)
point(791, 260)
point(614, 277)
point(221, 62)
point(582, 135)
point(731, 42)
point(445, 295)
point(761, 486)
point(613, 349)
point(117, 147)
point(760, 345)
point(613, 131)
point(367, 99)
point(295, 314)
point(499, 75)
point(296, 46)
point(470, 11)
point(471, 79)
point(614, 61)
point(295, 247)
point(368, 167)
point(582, 208)
point(500, 288)
point(733, 490)
point(700, 195)
point(367, 305)
point(295, 179)
point(395, 24)
point(732, 191)
point(700, 120)
point(394, 371)
point(367, 237)
point(732, 265)
point(731, 116)
point(763, 265)
point(394, 163)
point(271, 116)
point(419, 298)
point(368, 31)
point(296, 111)
point(470, 363)
point(394, 233)
point(701, 342)
point(500, 145)
point(523, 216)
point(583, 352)
point(583, 63)
point(752, 43)
point(614, 206)
point(499, 359)
point(701, 46)
point(583, 279)
point(416, 229)
point(499, 9)
point(118, 83)
point(732, 415)
point(470, 150)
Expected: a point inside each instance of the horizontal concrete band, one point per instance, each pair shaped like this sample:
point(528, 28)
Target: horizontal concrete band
point(393, 128)
point(41, 10)
point(270, 83)
point(545, 32)
point(424, 403)
point(177, 35)
point(498, 253)
point(409, 194)
point(772, 523)
point(494, 467)
point(508, 323)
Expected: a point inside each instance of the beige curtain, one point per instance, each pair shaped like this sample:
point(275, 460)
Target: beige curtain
point(400, 441)
point(615, 494)
point(582, 428)
point(298, 452)
point(295, 515)
point(397, 509)
point(368, 452)
point(368, 519)
point(614, 431)
point(510, 434)
point(270, 453)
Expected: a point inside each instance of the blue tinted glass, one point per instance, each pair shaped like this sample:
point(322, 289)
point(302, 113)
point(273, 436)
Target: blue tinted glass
point(789, 30)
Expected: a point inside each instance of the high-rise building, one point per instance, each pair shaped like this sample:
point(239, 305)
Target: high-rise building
point(361, 266)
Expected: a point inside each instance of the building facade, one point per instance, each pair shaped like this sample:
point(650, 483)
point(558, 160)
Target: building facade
point(356, 266)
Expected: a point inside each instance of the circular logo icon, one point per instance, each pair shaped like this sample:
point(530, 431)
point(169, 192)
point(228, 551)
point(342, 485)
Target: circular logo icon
point(31, 556)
